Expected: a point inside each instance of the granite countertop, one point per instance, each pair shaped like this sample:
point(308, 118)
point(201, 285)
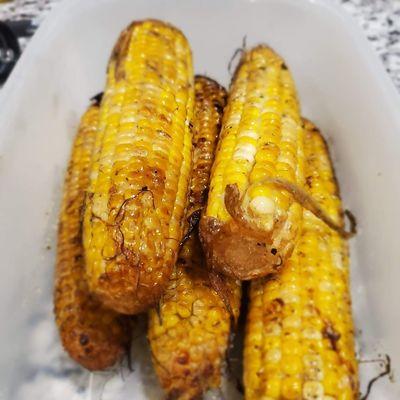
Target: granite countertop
point(380, 20)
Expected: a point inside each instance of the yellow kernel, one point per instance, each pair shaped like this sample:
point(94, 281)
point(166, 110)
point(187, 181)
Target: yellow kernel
point(291, 388)
point(109, 249)
point(170, 321)
point(272, 329)
point(184, 312)
point(251, 381)
point(223, 214)
point(214, 313)
point(260, 191)
point(272, 342)
point(244, 140)
point(272, 104)
point(291, 322)
point(292, 365)
point(287, 175)
point(283, 166)
point(261, 172)
point(273, 387)
point(267, 154)
point(330, 382)
point(282, 200)
point(346, 394)
point(251, 113)
point(291, 346)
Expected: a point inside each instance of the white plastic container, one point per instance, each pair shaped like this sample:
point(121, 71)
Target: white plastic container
point(343, 88)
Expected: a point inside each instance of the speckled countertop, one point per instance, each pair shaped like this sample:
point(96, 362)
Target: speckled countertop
point(380, 20)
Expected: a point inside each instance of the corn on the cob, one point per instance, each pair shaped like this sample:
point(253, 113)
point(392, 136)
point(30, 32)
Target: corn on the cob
point(138, 192)
point(251, 221)
point(299, 335)
point(189, 333)
point(93, 336)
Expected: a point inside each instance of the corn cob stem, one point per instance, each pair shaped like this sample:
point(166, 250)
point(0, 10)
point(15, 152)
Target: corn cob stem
point(189, 334)
point(299, 335)
point(92, 335)
point(138, 191)
point(298, 194)
point(250, 225)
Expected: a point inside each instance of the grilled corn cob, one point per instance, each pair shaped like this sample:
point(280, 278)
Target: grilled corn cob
point(190, 332)
point(93, 336)
point(139, 183)
point(251, 221)
point(299, 336)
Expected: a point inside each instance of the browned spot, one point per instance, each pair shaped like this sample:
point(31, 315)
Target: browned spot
point(332, 335)
point(117, 288)
point(221, 287)
point(120, 51)
point(274, 307)
point(280, 302)
point(208, 370)
point(183, 358)
point(193, 222)
point(174, 394)
point(181, 261)
point(235, 251)
point(164, 118)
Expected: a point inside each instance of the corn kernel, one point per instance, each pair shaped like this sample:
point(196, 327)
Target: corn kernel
point(143, 123)
point(273, 388)
point(195, 319)
point(259, 141)
point(79, 315)
point(307, 306)
point(291, 388)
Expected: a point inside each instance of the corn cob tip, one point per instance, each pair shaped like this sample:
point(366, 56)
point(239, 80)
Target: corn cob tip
point(121, 47)
point(266, 49)
point(93, 347)
point(235, 248)
point(247, 54)
point(206, 83)
point(312, 130)
point(230, 249)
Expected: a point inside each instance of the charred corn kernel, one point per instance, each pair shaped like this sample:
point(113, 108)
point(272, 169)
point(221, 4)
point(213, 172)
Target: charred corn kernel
point(189, 358)
point(92, 335)
point(139, 181)
point(251, 222)
point(307, 306)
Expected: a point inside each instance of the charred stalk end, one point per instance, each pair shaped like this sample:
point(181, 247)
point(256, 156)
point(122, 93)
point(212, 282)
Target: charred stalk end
point(235, 253)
